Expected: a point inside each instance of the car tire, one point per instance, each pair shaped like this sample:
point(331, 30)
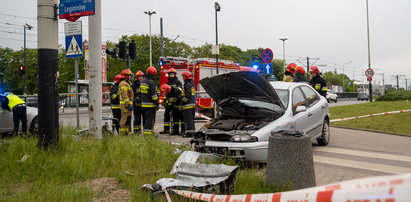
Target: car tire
point(34, 126)
point(336, 100)
point(324, 139)
point(328, 100)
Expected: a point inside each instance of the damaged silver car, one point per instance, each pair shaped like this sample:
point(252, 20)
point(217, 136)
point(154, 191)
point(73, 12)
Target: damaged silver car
point(251, 109)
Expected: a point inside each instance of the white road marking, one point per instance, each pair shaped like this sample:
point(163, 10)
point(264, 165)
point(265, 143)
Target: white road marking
point(362, 165)
point(364, 154)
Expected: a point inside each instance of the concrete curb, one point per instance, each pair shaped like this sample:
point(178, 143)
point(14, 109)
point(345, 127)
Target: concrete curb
point(373, 131)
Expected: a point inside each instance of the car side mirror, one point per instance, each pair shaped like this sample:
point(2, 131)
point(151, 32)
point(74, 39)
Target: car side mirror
point(300, 109)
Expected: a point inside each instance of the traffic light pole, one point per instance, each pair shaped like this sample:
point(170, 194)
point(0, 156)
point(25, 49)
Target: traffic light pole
point(48, 133)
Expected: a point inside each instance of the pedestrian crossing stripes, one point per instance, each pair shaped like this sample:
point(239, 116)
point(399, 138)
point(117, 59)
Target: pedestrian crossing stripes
point(363, 164)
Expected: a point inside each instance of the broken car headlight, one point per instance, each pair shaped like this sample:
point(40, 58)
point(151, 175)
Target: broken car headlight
point(243, 138)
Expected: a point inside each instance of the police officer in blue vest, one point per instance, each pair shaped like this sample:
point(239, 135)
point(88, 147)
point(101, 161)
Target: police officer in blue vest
point(13, 103)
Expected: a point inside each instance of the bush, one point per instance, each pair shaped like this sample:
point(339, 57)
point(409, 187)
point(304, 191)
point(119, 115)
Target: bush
point(395, 95)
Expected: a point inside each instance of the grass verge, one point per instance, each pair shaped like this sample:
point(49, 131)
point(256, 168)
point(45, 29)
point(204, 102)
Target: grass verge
point(395, 123)
point(59, 174)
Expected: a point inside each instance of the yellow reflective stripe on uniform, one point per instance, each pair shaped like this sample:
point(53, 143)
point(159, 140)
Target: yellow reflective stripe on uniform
point(115, 106)
point(188, 106)
point(166, 124)
point(154, 97)
point(148, 132)
point(114, 96)
point(317, 86)
point(324, 89)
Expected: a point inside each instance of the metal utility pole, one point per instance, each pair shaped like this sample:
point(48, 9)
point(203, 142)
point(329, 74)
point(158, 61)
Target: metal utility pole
point(149, 13)
point(29, 27)
point(47, 37)
point(406, 84)
point(398, 84)
point(369, 50)
point(77, 97)
point(161, 38)
point(95, 86)
point(283, 39)
point(217, 9)
point(308, 65)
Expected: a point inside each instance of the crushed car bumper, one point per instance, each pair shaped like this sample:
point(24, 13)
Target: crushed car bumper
point(248, 151)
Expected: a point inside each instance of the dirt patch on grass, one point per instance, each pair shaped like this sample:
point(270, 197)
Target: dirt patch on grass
point(108, 189)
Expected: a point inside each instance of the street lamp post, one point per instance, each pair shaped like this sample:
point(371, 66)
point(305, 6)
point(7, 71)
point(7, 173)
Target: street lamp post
point(344, 72)
point(29, 27)
point(149, 13)
point(217, 9)
point(283, 39)
point(369, 52)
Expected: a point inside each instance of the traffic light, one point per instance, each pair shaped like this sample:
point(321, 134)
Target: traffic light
point(122, 45)
point(22, 69)
point(132, 50)
point(113, 52)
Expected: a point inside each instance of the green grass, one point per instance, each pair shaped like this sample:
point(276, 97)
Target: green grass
point(367, 108)
point(395, 123)
point(59, 174)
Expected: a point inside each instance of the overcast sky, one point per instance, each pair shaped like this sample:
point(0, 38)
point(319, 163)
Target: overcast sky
point(335, 31)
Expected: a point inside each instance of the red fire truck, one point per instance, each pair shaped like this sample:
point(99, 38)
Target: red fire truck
point(200, 68)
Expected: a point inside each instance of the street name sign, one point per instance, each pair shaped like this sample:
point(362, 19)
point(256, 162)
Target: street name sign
point(74, 46)
point(267, 55)
point(72, 28)
point(76, 8)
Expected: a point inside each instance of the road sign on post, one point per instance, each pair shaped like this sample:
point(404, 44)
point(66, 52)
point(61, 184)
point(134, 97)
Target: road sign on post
point(268, 68)
point(267, 55)
point(73, 28)
point(369, 73)
point(74, 46)
point(76, 8)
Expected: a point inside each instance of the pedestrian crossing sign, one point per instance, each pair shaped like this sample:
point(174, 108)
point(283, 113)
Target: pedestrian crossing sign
point(74, 46)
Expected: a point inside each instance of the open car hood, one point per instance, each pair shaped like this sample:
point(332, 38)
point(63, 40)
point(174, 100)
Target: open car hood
point(242, 84)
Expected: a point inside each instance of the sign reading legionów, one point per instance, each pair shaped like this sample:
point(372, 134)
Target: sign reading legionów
point(76, 8)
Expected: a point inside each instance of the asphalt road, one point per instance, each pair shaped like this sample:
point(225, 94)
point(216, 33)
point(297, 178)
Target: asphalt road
point(351, 154)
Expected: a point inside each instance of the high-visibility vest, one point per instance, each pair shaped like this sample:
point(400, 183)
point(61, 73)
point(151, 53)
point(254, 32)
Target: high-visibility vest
point(14, 100)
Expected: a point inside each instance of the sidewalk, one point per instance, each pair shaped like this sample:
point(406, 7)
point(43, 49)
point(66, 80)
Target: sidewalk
point(82, 110)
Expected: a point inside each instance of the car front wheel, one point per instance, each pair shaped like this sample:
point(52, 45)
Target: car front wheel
point(324, 139)
point(34, 126)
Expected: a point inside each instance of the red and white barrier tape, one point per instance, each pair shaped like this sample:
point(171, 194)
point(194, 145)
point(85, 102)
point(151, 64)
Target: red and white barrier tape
point(370, 115)
point(202, 116)
point(379, 189)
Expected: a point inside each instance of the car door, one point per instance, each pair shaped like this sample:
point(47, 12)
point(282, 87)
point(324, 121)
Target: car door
point(302, 122)
point(315, 111)
point(6, 121)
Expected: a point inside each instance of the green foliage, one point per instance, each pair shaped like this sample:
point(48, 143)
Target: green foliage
point(10, 60)
point(395, 96)
point(340, 80)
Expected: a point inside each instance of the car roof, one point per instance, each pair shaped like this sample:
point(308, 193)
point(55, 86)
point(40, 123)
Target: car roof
point(285, 85)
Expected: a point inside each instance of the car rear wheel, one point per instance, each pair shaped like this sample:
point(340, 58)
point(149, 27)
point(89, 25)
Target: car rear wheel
point(34, 126)
point(324, 139)
point(336, 100)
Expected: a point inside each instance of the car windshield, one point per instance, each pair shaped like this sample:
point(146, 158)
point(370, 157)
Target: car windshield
point(261, 104)
point(283, 94)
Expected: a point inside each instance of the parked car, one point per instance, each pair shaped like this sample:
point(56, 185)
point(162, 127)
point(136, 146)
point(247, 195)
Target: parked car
point(362, 96)
point(251, 108)
point(332, 97)
point(6, 121)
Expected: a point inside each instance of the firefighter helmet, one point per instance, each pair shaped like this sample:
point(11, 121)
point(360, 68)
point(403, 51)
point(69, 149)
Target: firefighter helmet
point(300, 70)
point(117, 78)
point(151, 70)
point(172, 70)
point(165, 88)
point(139, 73)
point(291, 67)
point(125, 74)
point(314, 69)
point(186, 75)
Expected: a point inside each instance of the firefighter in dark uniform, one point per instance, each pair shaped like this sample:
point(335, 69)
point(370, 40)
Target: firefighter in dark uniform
point(149, 100)
point(173, 95)
point(126, 102)
point(188, 104)
point(172, 81)
point(138, 111)
point(115, 103)
point(13, 103)
point(318, 82)
point(300, 75)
